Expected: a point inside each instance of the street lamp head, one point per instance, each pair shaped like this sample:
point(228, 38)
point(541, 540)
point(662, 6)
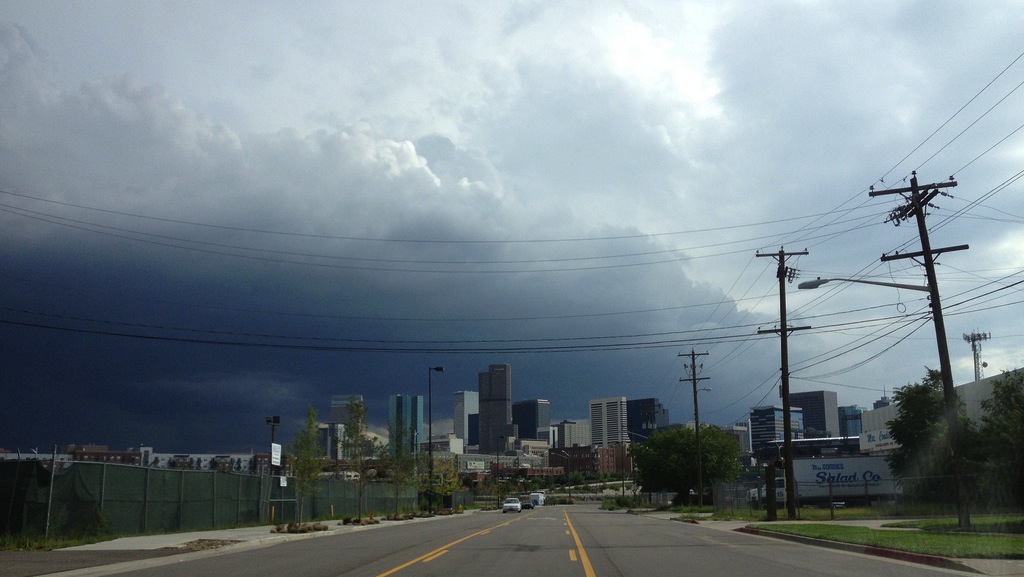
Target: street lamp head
point(708, 389)
point(437, 369)
point(275, 420)
point(813, 284)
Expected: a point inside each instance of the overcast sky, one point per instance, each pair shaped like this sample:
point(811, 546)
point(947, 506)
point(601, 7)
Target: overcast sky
point(215, 212)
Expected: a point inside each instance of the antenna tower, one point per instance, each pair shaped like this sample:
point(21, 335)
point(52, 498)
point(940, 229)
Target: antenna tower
point(975, 339)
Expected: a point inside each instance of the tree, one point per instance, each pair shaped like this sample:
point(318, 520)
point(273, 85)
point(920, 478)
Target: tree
point(448, 481)
point(923, 459)
point(399, 460)
point(360, 450)
point(667, 460)
point(1003, 433)
point(307, 460)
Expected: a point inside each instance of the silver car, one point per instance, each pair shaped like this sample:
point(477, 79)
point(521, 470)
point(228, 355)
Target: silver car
point(511, 504)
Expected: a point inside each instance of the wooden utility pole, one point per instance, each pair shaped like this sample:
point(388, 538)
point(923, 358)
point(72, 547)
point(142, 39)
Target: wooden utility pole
point(920, 197)
point(786, 274)
point(696, 422)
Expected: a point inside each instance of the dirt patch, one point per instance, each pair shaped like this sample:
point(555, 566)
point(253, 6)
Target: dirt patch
point(202, 545)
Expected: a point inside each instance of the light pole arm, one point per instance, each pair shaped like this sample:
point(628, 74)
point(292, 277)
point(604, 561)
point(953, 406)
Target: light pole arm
point(813, 284)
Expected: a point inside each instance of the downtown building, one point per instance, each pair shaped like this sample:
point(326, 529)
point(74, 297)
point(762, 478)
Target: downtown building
point(405, 422)
point(767, 429)
point(532, 419)
point(820, 411)
point(495, 402)
point(643, 417)
point(465, 417)
point(608, 422)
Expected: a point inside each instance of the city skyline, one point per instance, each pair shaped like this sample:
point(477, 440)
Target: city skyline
point(217, 215)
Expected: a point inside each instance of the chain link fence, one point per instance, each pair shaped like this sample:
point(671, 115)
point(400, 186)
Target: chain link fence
point(54, 498)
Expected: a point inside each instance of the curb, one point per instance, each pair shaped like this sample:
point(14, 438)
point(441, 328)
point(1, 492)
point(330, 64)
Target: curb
point(919, 558)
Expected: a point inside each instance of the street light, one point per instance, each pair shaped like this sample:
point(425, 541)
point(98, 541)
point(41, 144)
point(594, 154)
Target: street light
point(813, 284)
point(696, 430)
point(945, 369)
point(430, 433)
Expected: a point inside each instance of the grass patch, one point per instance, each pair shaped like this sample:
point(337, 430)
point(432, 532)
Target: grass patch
point(955, 545)
point(1012, 525)
point(23, 543)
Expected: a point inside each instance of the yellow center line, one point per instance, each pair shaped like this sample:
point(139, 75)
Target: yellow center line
point(587, 568)
point(431, 558)
point(444, 548)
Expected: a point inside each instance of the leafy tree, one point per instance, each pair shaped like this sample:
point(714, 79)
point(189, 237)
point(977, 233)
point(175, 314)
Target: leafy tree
point(448, 481)
point(667, 460)
point(307, 460)
point(399, 460)
point(359, 448)
point(1003, 432)
point(923, 459)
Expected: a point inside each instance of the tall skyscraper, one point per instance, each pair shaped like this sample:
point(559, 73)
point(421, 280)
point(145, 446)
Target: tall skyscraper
point(405, 421)
point(643, 417)
point(820, 410)
point(608, 422)
point(849, 420)
point(495, 390)
point(533, 418)
point(766, 426)
point(339, 407)
point(466, 403)
point(332, 431)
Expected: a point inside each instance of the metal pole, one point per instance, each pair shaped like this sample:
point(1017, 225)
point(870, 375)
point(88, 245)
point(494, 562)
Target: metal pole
point(49, 497)
point(430, 435)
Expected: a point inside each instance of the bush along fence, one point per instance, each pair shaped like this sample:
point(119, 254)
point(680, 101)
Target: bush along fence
point(77, 499)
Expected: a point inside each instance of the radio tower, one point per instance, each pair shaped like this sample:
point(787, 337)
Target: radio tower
point(975, 339)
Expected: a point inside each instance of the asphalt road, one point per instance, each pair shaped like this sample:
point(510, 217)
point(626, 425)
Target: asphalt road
point(549, 541)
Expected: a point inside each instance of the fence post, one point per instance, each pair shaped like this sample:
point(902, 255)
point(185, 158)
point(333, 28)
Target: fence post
point(49, 497)
point(181, 498)
point(14, 490)
point(145, 504)
point(214, 499)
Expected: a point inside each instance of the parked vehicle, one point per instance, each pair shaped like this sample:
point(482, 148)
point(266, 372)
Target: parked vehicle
point(512, 504)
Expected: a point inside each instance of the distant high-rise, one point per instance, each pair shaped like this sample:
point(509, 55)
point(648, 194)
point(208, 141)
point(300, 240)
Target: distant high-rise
point(405, 421)
point(767, 426)
point(850, 421)
point(572, 434)
point(820, 411)
point(339, 407)
point(643, 417)
point(332, 432)
point(608, 422)
point(466, 403)
point(495, 391)
point(883, 402)
point(533, 418)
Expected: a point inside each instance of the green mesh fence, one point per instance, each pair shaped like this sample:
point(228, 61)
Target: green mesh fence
point(97, 498)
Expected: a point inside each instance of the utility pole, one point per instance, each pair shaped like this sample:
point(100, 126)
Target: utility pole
point(785, 274)
point(696, 421)
point(920, 199)
point(975, 339)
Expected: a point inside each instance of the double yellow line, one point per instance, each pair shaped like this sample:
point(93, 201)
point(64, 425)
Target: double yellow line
point(428, 557)
point(445, 548)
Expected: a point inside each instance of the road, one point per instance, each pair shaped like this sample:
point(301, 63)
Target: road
point(548, 541)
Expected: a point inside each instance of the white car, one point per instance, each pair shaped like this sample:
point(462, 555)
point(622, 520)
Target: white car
point(511, 504)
